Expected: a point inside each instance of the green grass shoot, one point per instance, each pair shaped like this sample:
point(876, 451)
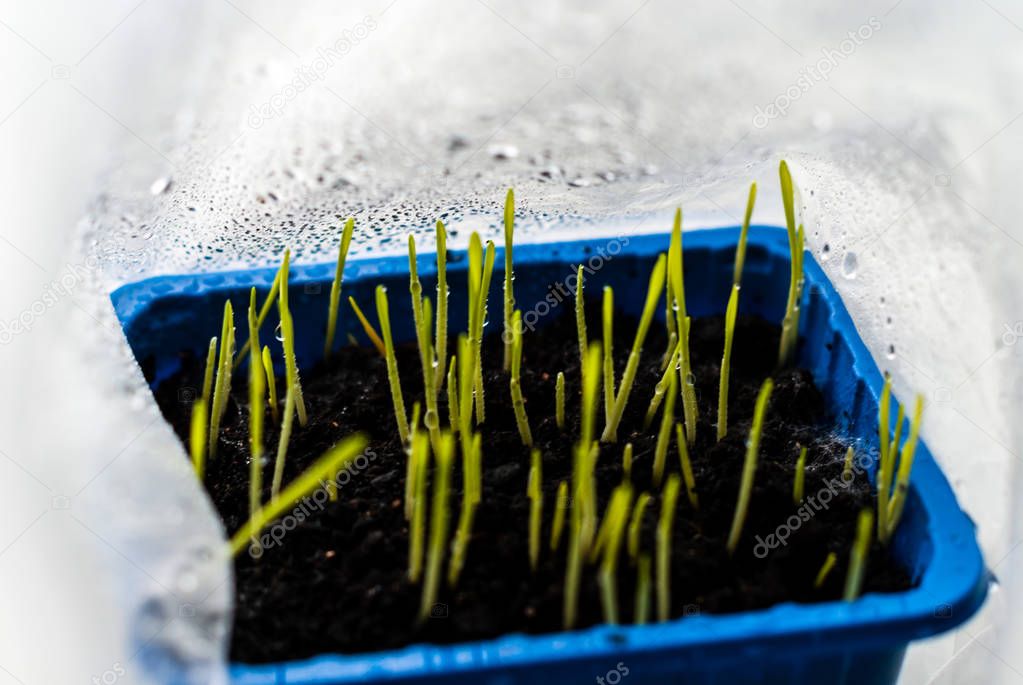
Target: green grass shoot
point(367, 327)
point(222, 388)
point(580, 314)
point(591, 375)
point(687, 467)
point(384, 316)
point(211, 366)
point(664, 432)
point(288, 341)
point(661, 386)
point(799, 481)
point(419, 461)
point(740, 249)
point(898, 498)
point(332, 461)
point(518, 402)
point(197, 438)
point(858, 556)
point(676, 281)
point(466, 381)
point(627, 461)
point(534, 490)
point(282, 442)
point(438, 525)
point(257, 391)
point(669, 322)
point(726, 358)
point(264, 311)
point(271, 383)
point(790, 322)
point(665, 525)
point(654, 288)
point(584, 510)
point(641, 612)
point(421, 319)
point(470, 500)
point(825, 570)
point(584, 485)
point(410, 463)
point(560, 507)
point(509, 275)
point(335, 286)
point(900, 418)
point(441, 339)
point(749, 467)
point(847, 465)
point(573, 571)
point(884, 465)
point(452, 388)
point(607, 328)
point(482, 264)
point(617, 516)
point(559, 400)
point(636, 524)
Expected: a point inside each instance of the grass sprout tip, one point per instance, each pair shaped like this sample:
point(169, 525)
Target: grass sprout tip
point(335, 286)
point(858, 556)
point(749, 467)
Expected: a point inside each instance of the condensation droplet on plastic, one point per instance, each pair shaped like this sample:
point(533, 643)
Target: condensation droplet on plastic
point(160, 186)
point(503, 151)
point(850, 265)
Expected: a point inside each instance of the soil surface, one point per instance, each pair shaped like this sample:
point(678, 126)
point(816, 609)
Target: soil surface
point(337, 581)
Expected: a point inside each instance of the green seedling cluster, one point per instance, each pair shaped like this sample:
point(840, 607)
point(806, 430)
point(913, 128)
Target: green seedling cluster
point(895, 463)
point(438, 547)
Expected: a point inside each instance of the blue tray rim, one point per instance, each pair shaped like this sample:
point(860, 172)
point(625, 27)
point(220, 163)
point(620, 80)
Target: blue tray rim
point(955, 580)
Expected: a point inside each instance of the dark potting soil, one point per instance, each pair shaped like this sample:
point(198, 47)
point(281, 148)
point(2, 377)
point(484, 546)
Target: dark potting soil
point(335, 577)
